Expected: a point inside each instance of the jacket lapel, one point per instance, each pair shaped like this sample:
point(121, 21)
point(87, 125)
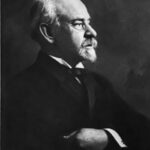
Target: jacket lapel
point(63, 75)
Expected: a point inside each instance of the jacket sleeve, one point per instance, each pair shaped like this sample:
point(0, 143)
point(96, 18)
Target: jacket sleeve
point(115, 113)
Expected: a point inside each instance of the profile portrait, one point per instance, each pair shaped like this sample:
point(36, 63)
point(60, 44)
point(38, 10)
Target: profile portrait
point(75, 75)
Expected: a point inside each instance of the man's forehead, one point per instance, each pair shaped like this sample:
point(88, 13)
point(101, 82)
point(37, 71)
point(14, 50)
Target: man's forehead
point(72, 9)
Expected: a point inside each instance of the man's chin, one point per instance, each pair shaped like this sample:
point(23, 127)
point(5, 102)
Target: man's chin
point(91, 59)
point(89, 54)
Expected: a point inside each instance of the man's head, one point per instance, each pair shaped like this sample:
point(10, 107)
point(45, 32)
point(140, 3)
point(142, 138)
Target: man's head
point(65, 25)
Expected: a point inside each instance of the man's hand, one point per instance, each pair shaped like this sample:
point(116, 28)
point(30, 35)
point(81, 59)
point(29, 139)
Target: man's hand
point(90, 139)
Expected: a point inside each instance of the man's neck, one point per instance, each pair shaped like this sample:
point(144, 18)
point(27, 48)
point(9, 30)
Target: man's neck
point(63, 62)
point(72, 61)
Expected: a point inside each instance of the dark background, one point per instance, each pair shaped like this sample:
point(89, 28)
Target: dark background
point(123, 28)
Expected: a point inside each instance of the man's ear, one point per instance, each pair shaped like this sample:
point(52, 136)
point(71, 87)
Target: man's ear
point(46, 32)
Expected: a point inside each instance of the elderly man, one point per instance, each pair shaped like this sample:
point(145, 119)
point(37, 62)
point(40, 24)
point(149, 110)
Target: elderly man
point(56, 103)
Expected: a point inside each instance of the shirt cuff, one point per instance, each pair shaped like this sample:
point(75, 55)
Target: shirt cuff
point(116, 137)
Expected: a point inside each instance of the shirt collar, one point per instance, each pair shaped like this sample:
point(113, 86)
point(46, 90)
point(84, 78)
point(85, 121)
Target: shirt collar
point(63, 62)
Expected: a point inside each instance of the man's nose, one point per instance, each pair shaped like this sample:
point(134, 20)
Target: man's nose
point(90, 32)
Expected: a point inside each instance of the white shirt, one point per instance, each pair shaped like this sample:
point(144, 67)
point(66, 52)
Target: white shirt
point(63, 62)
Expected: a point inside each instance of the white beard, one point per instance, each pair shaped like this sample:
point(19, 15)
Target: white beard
point(89, 54)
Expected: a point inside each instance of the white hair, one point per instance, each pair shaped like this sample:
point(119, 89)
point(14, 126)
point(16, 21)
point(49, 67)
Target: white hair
point(42, 11)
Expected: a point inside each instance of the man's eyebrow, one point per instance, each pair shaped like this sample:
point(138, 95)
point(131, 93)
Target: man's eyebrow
point(80, 19)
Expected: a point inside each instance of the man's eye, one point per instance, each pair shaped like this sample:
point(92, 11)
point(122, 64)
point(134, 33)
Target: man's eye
point(79, 26)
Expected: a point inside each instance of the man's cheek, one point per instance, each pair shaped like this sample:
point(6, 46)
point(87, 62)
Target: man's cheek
point(77, 42)
point(78, 37)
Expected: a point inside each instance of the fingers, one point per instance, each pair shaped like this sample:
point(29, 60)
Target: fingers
point(72, 140)
point(71, 135)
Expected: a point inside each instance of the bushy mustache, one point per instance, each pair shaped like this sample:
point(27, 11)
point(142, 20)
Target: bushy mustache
point(90, 42)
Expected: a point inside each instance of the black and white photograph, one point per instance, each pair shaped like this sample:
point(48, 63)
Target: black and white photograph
point(75, 75)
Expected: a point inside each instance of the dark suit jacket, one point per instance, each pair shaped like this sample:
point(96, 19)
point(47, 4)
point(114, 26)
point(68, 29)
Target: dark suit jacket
point(45, 102)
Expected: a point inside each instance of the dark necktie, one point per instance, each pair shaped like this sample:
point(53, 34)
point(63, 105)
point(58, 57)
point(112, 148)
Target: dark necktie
point(88, 82)
point(79, 74)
